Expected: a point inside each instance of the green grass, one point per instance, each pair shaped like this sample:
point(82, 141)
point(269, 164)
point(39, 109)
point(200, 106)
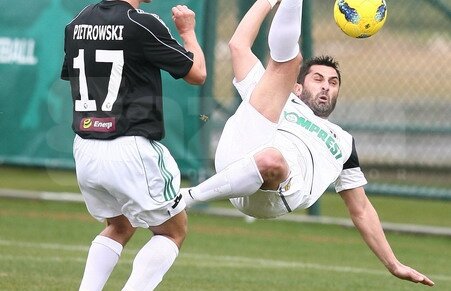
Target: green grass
point(390, 209)
point(43, 246)
point(38, 179)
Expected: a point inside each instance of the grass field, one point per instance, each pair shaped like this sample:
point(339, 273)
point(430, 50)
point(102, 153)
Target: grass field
point(391, 209)
point(43, 245)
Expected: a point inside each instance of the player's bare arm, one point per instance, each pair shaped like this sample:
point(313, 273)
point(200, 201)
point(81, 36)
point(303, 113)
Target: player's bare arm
point(240, 45)
point(366, 220)
point(185, 22)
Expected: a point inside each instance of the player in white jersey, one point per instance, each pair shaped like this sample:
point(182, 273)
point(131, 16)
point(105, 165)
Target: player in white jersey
point(316, 150)
point(279, 152)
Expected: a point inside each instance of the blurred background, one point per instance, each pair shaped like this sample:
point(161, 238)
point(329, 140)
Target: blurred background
point(395, 97)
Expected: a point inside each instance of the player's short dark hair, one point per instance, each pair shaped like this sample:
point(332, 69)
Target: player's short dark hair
point(320, 60)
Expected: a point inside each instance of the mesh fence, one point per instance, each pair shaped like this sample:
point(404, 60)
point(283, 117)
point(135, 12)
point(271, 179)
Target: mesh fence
point(395, 97)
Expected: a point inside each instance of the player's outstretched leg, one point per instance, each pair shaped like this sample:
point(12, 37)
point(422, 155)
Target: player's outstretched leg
point(239, 179)
point(276, 84)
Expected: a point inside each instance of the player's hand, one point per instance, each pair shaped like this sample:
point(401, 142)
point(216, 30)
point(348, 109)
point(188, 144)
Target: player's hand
point(407, 273)
point(184, 19)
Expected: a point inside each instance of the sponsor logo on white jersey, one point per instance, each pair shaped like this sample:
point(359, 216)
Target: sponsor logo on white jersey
point(324, 135)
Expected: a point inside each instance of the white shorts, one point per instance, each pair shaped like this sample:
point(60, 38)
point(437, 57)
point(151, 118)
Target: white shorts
point(247, 133)
point(128, 175)
point(244, 133)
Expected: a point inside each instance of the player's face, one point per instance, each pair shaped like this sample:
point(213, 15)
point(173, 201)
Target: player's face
point(320, 90)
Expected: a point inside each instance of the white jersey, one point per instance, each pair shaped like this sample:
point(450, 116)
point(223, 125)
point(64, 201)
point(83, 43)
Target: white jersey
point(317, 151)
point(332, 149)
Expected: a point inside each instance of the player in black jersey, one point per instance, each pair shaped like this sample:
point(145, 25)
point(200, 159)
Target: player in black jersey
point(114, 54)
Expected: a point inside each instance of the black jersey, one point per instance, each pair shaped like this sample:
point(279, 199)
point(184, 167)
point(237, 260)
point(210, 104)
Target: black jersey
point(114, 55)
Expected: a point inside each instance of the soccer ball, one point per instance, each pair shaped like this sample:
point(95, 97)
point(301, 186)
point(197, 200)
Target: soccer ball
point(360, 18)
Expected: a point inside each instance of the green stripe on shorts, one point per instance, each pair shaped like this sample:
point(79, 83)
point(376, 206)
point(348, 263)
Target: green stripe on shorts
point(169, 191)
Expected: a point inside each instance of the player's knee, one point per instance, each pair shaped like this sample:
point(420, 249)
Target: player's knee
point(272, 165)
point(181, 232)
point(178, 233)
point(120, 229)
point(175, 228)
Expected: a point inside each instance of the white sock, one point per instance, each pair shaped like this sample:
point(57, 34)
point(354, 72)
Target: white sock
point(151, 263)
point(103, 256)
point(241, 178)
point(283, 38)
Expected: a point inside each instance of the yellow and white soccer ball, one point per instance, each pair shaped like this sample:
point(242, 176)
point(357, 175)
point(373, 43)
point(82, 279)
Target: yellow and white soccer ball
point(360, 18)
